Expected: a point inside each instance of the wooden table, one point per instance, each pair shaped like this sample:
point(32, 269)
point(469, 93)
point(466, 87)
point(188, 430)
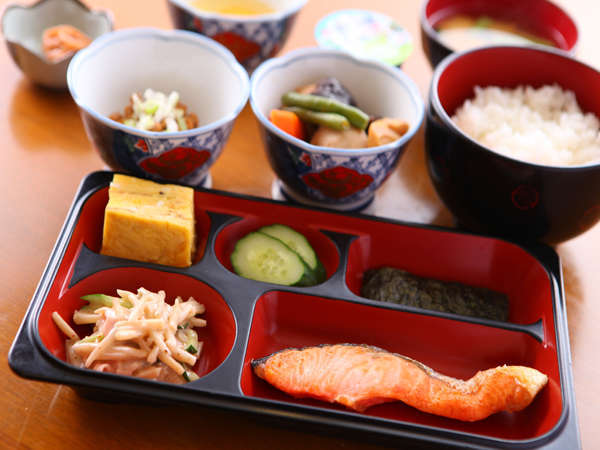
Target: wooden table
point(44, 155)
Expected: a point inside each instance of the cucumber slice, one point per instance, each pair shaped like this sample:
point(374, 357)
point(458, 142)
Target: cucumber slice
point(92, 338)
point(297, 242)
point(264, 258)
point(189, 337)
point(97, 300)
point(188, 376)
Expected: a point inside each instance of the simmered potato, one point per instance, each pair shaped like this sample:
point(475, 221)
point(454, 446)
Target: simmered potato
point(350, 138)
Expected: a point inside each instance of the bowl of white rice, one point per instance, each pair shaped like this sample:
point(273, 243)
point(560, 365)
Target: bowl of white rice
point(513, 141)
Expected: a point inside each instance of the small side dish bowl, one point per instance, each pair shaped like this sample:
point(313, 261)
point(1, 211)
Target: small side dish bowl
point(540, 18)
point(344, 179)
point(210, 82)
point(23, 27)
point(488, 191)
point(251, 38)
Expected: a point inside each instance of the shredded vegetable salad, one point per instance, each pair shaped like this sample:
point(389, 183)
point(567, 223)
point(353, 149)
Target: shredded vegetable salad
point(137, 334)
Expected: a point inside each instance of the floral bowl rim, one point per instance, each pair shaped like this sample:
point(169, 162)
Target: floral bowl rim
point(296, 6)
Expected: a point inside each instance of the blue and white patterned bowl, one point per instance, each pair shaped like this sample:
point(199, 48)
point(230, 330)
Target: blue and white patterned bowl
point(252, 39)
point(213, 85)
point(344, 179)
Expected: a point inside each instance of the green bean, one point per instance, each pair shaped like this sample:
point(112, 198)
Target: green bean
point(330, 120)
point(92, 338)
point(355, 116)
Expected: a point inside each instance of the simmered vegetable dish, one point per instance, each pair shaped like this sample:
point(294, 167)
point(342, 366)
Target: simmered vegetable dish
point(325, 114)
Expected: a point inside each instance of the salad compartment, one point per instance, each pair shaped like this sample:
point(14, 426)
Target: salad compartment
point(218, 338)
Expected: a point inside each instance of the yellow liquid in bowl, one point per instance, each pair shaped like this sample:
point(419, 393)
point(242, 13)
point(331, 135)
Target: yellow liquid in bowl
point(234, 7)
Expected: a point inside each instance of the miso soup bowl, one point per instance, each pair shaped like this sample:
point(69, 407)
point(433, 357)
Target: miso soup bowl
point(210, 82)
point(540, 17)
point(251, 38)
point(488, 191)
point(343, 179)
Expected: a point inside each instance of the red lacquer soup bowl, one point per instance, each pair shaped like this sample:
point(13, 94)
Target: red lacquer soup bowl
point(540, 18)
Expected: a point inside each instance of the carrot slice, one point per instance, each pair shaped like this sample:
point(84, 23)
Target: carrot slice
point(62, 41)
point(287, 121)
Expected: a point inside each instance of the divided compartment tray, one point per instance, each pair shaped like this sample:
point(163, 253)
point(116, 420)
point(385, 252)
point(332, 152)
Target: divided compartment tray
point(248, 319)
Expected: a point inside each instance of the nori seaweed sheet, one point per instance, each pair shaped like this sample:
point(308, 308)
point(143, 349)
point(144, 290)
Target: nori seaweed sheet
point(389, 284)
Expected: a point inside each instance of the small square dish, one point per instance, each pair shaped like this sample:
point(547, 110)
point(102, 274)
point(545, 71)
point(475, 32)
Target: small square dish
point(250, 321)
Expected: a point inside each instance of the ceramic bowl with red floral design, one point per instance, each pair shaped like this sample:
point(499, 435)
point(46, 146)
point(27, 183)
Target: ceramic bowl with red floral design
point(487, 190)
point(252, 38)
point(338, 178)
point(208, 79)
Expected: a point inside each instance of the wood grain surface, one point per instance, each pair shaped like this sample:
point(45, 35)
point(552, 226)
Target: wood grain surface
point(44, 154)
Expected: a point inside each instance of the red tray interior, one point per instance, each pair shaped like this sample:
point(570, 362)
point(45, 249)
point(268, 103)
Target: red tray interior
point(458, 349)
point(539, 17)
point(284, 320)
point(490, 263)
point(218, 336)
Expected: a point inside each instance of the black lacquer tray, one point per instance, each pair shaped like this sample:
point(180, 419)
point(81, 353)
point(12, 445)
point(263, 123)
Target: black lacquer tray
point(249, 319)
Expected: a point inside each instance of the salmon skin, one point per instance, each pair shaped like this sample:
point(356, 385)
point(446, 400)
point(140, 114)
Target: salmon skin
point(360, 376)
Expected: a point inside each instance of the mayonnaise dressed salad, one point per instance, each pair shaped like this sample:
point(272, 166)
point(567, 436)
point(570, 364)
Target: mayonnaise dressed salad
point(137, 334)
point(156, 111)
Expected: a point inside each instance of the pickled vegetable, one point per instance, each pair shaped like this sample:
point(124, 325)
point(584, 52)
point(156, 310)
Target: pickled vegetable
point(260, 257)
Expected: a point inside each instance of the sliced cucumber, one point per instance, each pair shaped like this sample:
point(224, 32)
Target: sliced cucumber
point(189, 375)
point(191, 349)
point(264, 258)
point(97, 300)
point(297, 242)
point(92, 338)
point(189, 337)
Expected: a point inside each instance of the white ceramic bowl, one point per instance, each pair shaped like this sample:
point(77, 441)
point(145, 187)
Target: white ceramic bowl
point(344, 179)
point(23, 27)
point(102, 77)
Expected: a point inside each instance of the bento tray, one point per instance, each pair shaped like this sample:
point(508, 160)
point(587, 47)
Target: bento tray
point(249, 319)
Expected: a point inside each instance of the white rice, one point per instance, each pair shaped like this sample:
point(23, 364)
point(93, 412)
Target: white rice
point(542, 126)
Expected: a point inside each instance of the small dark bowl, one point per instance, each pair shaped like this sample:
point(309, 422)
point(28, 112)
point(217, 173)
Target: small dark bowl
point(489, 192)
point(540, 17)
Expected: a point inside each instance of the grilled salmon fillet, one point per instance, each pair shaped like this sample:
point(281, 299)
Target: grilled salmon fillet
point(360, 376)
